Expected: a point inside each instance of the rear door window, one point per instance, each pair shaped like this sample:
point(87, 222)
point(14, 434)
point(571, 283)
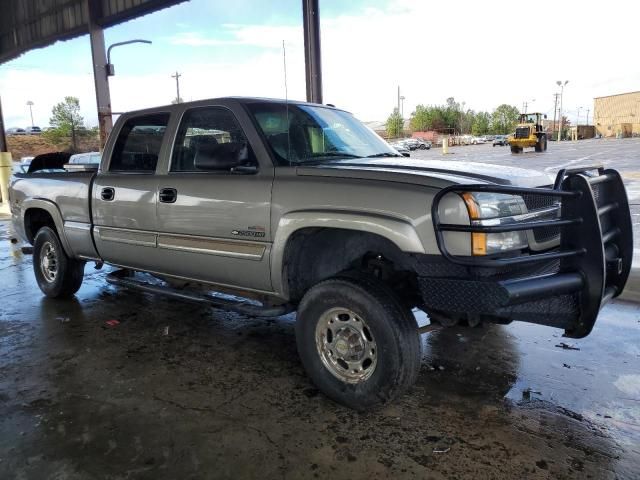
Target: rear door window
point(138, 145)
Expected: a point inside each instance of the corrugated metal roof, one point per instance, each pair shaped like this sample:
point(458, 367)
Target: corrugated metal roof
point(29, 24)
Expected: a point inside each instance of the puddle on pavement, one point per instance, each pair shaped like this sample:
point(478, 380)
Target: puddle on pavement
point(488, 373)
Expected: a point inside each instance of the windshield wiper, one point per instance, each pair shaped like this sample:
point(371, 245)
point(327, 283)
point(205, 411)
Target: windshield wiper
point(335, 154)
point(383, 154)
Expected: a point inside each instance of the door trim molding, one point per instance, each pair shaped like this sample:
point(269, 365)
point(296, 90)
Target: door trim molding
point(212, 246)
point(125, 235)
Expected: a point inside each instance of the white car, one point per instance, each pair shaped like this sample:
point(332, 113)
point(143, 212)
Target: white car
point(89, 158)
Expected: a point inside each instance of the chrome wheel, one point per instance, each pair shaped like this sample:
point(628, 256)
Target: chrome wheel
point(346, 345)
point(49, 262)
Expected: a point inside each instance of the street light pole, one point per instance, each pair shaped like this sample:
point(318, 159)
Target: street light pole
point(578, 119)
point(111, 71)
point(561, 85)
point(30, 103)
point(402, 97)
point(555, 111)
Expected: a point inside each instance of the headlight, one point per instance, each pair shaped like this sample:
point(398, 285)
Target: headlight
point(486, 208)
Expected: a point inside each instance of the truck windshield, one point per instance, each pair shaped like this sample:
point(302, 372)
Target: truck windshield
point(301, 134)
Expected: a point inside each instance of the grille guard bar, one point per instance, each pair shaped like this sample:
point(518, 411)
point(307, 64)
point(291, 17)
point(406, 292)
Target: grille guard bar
point(596, 240)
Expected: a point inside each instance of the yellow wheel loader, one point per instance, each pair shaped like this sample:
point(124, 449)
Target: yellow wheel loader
point(529, 133)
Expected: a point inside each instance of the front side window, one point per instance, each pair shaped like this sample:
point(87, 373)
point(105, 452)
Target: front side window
point(210, 138)
point(138, 145)
point(299, 134)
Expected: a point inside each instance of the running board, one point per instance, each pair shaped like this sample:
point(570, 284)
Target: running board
point(123, 278)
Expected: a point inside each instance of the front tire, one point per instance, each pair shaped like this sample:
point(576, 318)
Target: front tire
point(357, 342)
point(515, 149)
point(541, 144)
point(58, 276)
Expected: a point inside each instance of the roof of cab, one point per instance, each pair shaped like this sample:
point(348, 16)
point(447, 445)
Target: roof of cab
point(223, 100)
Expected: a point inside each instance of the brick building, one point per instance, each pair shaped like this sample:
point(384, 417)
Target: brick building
point(617, 115)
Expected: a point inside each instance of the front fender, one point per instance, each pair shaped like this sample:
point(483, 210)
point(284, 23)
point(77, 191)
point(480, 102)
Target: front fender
point(400, 233)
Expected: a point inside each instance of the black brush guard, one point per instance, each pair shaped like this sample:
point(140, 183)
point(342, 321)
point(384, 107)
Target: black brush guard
point(594, 255)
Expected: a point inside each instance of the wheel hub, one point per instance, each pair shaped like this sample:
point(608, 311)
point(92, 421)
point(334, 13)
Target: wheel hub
point(346, 345)
point(49, 262)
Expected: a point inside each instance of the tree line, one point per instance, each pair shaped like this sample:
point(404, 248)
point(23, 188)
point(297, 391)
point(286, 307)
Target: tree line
point(455, 119)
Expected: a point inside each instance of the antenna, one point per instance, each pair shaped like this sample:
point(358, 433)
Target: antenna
point(286, 100)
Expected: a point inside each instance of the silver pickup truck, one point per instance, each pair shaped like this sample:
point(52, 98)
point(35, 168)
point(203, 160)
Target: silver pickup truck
point(267, 207)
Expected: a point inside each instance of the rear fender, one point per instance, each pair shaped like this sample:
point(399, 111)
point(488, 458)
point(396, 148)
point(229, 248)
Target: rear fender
point(52, 209)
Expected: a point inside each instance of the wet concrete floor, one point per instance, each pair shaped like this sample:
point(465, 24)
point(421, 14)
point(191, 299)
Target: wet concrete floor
point(178, 391)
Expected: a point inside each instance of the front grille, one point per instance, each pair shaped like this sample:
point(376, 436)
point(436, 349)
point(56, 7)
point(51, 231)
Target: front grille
point(539, 202)
point(522, 132)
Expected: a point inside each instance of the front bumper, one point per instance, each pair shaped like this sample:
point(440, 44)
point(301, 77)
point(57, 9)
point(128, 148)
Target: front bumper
point(522, 142)
point(565, 287)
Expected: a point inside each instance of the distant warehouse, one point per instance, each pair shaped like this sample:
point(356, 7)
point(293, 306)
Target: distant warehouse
point(617, 115)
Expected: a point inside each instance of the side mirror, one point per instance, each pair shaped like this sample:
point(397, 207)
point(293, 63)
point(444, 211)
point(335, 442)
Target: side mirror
point(223, 156)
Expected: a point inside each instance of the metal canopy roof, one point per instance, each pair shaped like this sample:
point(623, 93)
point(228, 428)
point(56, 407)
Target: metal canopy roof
point(29, 24)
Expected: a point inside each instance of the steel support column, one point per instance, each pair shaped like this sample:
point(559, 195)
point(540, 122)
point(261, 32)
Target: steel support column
point(3, 138)
point(99, 60)
point(312, 51)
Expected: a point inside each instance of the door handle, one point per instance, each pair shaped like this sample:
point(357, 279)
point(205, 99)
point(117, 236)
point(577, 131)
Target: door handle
point(168, 195)
point(108, 194)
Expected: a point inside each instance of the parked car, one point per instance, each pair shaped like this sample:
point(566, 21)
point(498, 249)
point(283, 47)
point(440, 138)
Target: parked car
point(23, 166)
point(15, 131)
point(412, 143)
point(423, 144)
point(501, 140)
point(478, 140)
point(33, 130)
point(401, 148)
point(89, 158)
point(301, 208)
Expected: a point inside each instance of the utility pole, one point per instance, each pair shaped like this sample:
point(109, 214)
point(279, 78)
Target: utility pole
point(177, 77)
point(555, 110)
point(588, 110)
point(398, 98)
point(561, 85)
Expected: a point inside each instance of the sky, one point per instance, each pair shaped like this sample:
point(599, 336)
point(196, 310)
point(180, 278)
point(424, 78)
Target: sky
point(482, 53)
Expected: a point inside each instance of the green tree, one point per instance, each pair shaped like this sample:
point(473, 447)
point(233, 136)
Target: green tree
point(66, 121)
point(481, 123)
point(504, 119)
point(466, 121)
point(395, 124)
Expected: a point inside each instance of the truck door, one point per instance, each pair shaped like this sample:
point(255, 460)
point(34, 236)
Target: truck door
point(214, 218)
point(124, 195)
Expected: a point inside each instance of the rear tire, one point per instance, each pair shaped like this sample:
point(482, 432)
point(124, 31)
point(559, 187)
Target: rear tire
point(359, 320)
point(58, 276)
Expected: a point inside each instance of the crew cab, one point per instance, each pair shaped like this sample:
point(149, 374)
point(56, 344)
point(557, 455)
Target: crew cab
point(292, 206)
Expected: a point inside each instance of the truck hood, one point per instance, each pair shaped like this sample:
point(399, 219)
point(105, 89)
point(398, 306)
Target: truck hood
point(432, 172)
